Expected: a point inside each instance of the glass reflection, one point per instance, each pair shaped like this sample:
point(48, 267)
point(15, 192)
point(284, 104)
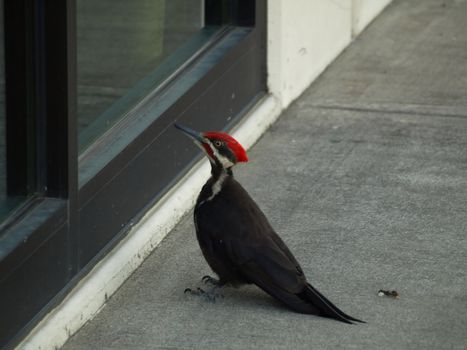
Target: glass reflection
point(122, 46)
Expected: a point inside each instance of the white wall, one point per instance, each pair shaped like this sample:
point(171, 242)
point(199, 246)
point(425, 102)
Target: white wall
point(364, 11)
point(304, 36)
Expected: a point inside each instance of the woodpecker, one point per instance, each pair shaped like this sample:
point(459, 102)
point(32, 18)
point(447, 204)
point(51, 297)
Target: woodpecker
point(237, 240)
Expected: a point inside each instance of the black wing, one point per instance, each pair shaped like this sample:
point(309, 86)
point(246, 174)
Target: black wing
point(237, 236)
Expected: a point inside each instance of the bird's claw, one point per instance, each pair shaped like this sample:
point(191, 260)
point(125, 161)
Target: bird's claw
point(207, 295)
point(209, 280)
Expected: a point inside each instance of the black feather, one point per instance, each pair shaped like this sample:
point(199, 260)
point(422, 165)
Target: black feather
point(240, 246)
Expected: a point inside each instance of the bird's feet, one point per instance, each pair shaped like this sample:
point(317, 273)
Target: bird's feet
point(210, 280)
point(211, 295)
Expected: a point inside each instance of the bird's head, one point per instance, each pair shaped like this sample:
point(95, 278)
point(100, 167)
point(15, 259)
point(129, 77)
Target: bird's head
point(221, 148)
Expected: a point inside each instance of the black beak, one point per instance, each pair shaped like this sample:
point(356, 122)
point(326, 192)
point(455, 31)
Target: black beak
point(197, 136)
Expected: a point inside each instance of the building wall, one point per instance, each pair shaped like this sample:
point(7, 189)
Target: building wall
point(364, 11)
point(304, 36)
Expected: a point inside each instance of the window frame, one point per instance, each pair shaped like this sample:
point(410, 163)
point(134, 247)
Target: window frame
point(68, 227)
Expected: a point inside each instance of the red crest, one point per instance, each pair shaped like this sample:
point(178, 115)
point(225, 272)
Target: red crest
point(233, 144)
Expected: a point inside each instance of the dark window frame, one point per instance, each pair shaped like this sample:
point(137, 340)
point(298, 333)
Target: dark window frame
point(68, 227)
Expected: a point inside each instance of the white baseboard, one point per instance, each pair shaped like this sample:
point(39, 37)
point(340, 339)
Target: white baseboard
point(92, 292)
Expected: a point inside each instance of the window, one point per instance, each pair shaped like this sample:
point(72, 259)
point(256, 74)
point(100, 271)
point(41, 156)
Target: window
point(91, 90)
point(14, 188)
point(125, 50)
point(5, 207)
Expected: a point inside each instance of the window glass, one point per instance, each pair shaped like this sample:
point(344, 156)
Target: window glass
point(16, 159)
point(2, 124)
point(7, 203)
point(126, 49)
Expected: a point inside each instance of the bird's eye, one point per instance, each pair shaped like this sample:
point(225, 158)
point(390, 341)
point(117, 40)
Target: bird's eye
point(217, 143)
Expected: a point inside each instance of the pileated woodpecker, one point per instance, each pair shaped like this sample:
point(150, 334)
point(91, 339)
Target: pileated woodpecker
point(237, 240)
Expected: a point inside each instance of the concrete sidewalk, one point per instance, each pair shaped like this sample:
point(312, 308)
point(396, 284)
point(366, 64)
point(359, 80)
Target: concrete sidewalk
point(365, 178)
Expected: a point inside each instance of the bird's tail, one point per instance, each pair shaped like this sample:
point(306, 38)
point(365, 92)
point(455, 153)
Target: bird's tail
point(325, 307)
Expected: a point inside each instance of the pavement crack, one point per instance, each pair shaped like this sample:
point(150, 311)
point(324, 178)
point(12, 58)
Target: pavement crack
point(385, 110)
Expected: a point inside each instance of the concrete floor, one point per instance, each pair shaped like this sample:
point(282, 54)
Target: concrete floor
point(365, 178)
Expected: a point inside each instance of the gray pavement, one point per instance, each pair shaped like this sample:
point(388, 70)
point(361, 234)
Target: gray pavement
point(365, 178)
